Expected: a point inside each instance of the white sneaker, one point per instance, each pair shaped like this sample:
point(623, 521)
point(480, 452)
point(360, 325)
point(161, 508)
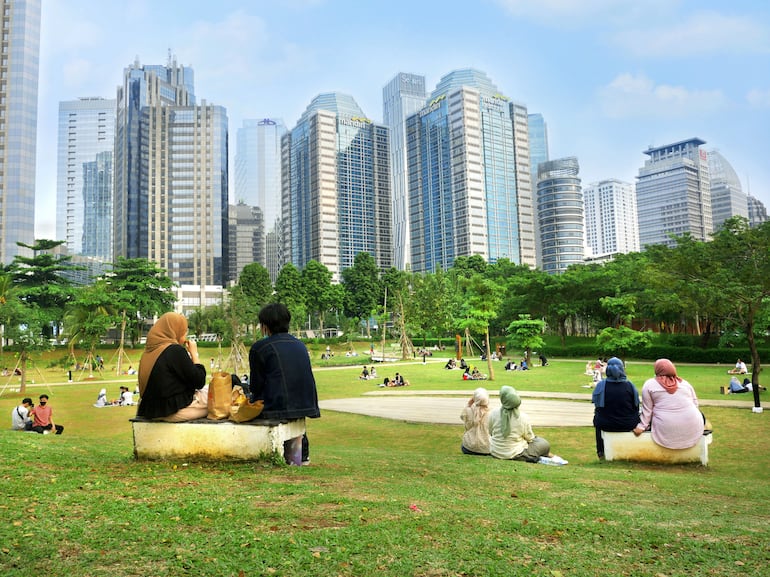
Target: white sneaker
point(557, 460)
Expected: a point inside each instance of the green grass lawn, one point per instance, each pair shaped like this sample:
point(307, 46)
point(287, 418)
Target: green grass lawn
point(381, 497)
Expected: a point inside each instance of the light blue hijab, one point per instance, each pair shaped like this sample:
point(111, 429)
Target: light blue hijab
point(616, 373)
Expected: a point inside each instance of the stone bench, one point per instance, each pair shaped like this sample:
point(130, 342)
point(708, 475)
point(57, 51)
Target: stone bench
point(629, 447)
point(205, 439)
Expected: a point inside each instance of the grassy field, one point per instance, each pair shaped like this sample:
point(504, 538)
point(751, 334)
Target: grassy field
point(381, 497)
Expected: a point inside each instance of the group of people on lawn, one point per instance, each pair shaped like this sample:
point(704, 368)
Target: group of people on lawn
point(668, 410)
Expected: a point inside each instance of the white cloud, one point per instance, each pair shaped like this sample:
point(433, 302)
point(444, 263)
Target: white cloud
point(759, 98)
point(570, 13)
point(706, 32)
point(630, 95)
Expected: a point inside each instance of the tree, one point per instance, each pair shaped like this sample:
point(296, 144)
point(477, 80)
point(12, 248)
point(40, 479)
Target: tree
point(620, 341)
point(140, 291)
point(40, 282)
point(88, 318)
point(289, 291)
point(11, 309)
point(256, 287)
point(362, 287)
point(317, 282)
point(481, 301)
point(526, 333)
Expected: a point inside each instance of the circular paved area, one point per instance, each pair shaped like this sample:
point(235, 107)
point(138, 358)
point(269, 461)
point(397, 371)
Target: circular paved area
point(444, 407)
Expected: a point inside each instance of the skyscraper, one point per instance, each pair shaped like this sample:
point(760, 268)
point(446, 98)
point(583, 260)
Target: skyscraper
point(611, 224)
point(247, 242)
point(171, 181)
point(538, 142)
point(84, 176)
point(336, 186)
point(18, 124)
point(673, 193)
point(757, 211)
point(560, 214)
point(727, 196)
point(401, 97)
point(469, 181)
point(258, 181)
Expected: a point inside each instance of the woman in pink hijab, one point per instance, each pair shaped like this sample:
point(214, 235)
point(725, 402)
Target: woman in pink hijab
point(670, 406)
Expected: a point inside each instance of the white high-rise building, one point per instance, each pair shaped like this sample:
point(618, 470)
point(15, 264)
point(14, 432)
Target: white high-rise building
point(84, 176)
point(401, 97)
point(673, 193)
point(611, 223)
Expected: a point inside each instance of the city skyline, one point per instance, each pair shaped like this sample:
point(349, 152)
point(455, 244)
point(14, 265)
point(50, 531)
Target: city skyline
point(611, 78)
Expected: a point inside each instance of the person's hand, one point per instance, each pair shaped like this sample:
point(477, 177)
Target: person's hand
point(638, 431)
point(192, 348)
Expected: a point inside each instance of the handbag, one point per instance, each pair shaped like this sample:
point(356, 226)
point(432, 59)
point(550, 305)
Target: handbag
point(241, 410)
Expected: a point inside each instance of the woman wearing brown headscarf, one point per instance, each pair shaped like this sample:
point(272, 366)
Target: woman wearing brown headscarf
point(670, 409)
point(171, 379)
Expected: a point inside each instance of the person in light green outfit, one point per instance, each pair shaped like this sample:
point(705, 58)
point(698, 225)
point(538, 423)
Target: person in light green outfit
point(511, 435)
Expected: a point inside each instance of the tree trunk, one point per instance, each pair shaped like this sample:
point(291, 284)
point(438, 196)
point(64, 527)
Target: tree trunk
point(755, 362)
point(23, 363)
point(489, 357)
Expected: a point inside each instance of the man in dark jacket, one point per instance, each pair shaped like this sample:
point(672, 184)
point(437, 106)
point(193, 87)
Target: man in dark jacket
point(281, 375)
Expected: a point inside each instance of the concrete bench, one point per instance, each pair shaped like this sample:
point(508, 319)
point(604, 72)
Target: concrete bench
point(204, 439)
point(629, 447)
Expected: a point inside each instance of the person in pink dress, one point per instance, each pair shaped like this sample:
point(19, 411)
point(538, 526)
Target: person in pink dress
point(670, 409)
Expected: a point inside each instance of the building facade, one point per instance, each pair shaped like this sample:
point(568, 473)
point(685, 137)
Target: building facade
point(673, 193)
point(560, 213)
point(247, 238)
point(171, 180)
point(611, 224)
point(336, 187)
point(84, 176)
point(19, 67)
point(469, 175)
point(727, 196)
point(258, 181)
point(403, 96)
point(757, 211)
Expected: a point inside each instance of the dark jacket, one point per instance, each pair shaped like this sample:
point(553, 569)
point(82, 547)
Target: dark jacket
point(281, 376)
point(173, 381)
point(616, 400)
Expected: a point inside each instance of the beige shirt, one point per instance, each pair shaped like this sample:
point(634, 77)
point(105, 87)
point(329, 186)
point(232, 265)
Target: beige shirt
point(476, 436)
point(517, 440)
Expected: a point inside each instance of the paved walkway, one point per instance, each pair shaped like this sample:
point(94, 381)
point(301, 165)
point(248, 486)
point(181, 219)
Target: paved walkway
point(444, 407)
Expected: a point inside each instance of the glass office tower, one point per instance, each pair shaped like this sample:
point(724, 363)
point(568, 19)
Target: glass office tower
point(673, 193)
point(560, 214)
point(171, 181)
point(403, 96)
point(336, 186)
point(611, 224)
point(258, 182)
point(19, 63)
point(84, 176)
point(469, 182)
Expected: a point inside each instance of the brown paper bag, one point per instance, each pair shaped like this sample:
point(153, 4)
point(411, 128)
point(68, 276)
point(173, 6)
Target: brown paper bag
point(241, 410)
point(220, 395)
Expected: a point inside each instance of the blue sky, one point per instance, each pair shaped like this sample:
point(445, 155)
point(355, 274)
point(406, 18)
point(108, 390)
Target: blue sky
point(611, 77)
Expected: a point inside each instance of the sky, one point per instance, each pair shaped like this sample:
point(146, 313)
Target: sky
point(610, 77)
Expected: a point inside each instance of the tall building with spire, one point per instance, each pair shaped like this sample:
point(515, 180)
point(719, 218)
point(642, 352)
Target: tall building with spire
point(336, 186)
point(470, 187)
point(403, 96)
point(258, 184)
point(19, 67)
point(673, 193)
point(84, 176)
point(171, 180)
